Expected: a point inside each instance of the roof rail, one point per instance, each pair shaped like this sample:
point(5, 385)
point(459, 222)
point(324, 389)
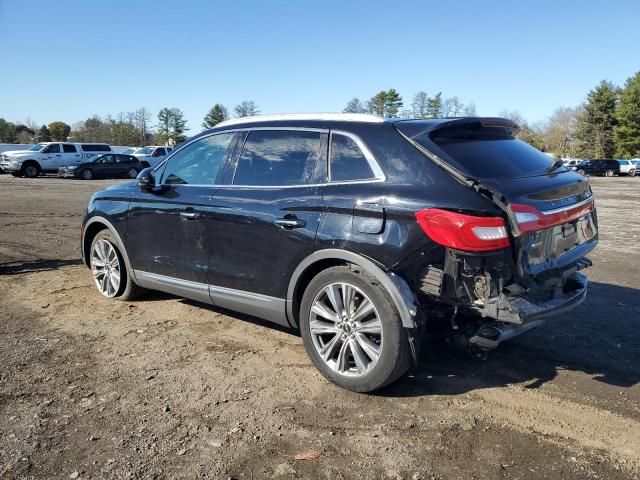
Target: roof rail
point(343, 117)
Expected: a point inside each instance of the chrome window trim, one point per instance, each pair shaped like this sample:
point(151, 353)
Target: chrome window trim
point(373, 163)
point(568, 207)
point(378, 174)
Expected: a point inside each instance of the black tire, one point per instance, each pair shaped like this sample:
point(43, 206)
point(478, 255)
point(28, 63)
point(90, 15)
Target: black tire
point(31, 169)
point(395, 355)
point(86, 174)
point(581, 172)
point(632, 173)
point(128, 289)
point(609, 173)
point(132, 173)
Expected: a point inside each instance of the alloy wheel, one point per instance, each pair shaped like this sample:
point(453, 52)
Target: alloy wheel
point(87, 174)
point(133, 173)
point(31, 171)
point(105, 267)
point(346, 329)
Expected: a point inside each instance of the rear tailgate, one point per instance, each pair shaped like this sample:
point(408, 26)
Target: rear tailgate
point(551, 211)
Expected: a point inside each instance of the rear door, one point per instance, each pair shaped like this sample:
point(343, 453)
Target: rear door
point(266, 218)
point(70, 154)
point(551, 210)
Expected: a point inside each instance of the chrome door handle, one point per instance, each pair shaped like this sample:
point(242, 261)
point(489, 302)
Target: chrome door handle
point(189, 215)
point(288, 223)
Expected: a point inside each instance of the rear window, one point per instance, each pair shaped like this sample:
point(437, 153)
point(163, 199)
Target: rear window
point(488, 152)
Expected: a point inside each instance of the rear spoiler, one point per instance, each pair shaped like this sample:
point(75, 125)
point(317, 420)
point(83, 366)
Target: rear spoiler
point(415, 128)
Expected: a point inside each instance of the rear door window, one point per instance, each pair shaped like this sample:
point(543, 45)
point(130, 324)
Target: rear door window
point(67, 148)
point(348, 162)
point(281, 158)
point(482, 151)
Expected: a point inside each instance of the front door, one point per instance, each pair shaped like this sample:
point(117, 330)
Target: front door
point(265, 219)
point(167, 225)
point(52, 157)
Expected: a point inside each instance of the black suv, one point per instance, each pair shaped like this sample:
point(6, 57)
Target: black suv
point(608, 168)
point(359, 232)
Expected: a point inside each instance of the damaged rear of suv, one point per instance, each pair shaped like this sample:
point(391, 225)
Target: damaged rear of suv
point(517, 268)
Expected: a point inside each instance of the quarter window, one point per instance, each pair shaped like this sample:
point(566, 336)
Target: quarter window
point(198, 163)
point(348, 162)
point(66, 148)
point(280, 157)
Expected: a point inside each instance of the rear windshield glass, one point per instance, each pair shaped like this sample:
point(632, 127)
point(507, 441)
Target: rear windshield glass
point(489, 152)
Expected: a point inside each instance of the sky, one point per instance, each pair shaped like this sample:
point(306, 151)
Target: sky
point(67, 60)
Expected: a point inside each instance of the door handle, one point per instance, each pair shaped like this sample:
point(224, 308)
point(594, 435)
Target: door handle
point(289, 223)
point(189, 215)
point(58, 155)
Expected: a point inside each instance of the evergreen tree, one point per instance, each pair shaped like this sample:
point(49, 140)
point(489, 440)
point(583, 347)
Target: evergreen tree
point(392, 103)
point(355, 106)
point(596, 121)
point(59, 131)
point(43, 135)
point(385, 103)
point(216, 114)
point(434, 106)
point(171, 125)
point(627, 133)
point(246, 108)
point(7, 131)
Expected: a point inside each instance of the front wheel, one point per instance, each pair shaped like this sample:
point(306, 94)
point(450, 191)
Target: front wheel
point(86, 174)
point(609, 173)
point(352, 331)
point(132, 173)
point(31, 170)
point(581, 172)
point(109, 269)
point(632, 173)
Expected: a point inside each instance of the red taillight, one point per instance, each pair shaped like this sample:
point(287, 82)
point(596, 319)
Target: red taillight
point(530, 219)
point(463, 232)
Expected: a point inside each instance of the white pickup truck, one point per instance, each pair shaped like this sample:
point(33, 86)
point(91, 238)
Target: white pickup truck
point(152, 155)
point(48, 157)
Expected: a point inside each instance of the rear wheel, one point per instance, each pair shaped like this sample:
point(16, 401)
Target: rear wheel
point(86, 174)
point(31, 170)
point(609, 173)
point(132, 173)
point(632, 173)
point(581, 172)
point(109, 269)
point(352, 331)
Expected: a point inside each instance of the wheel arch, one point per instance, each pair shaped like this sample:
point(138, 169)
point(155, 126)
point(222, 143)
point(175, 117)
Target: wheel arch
point(320, 260)
point(94, 226)
point(31, 161)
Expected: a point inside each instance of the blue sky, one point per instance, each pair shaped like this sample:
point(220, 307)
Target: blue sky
point(66, 60)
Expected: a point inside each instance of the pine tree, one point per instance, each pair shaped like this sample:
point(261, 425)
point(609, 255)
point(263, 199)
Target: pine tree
point(246, 108)
point(627, 133)
point(43, 134)
point(216, 114)
point(392, 103)
point(434, 106)
point(596, 121)
point(171, 125)
point(7, 131)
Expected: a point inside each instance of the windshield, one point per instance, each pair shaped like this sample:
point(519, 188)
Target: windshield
point(92, 158)
point(144, 151)
point(128, 151)
point(481, 151)
point(37, 147)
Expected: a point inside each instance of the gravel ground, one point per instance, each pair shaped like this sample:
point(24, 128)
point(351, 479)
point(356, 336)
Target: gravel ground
point(167, 388)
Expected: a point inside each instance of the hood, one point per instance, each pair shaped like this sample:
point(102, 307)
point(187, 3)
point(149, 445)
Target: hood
point(16, 153)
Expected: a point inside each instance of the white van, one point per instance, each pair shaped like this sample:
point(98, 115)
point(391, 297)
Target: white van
point(48, 157)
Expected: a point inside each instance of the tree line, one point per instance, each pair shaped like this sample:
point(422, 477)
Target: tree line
point(130, 128)
point(389, 104)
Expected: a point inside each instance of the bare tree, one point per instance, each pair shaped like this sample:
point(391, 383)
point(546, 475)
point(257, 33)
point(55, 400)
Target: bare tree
point(558, 132)
point(469, 110)
point(246, 108)
point(420, 105)
point(355, 105)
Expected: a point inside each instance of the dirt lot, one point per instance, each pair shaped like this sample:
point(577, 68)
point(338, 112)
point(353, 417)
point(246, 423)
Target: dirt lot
point(167, 388)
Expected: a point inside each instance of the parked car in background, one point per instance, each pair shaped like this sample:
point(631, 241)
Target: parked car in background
point(152, 155)
point(608, 168)
point(571, 163)
point(48, 157)
point(360, 232)
point(636, 165)
point(627, 167)
point(109, 165)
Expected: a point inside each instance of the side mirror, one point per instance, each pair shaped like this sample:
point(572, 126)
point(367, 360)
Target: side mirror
point(146, 179)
